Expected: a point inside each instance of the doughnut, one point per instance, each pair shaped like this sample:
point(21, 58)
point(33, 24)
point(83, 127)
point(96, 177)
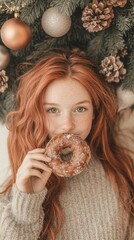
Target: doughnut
point(69, 154)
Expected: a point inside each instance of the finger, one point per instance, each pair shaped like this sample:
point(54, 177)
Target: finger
point(34, 173)
point(34, 164)
point(29, 162)
point(36, 150)
point(37, 156)
point(31, 173)
point(46, 175)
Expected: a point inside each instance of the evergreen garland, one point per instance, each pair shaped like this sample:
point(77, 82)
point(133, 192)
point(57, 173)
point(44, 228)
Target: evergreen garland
point(98, 45)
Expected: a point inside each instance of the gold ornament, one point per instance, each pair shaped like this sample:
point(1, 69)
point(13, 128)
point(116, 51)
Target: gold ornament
point(15, 34)
point(97, 16)
point(54, 23)
point(112, 68)
point(3, 81)
point(4, 57)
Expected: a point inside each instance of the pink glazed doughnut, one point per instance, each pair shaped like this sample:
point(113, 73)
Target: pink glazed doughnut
point(69, 154)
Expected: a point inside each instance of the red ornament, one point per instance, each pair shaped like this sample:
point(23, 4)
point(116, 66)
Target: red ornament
point(15, 34)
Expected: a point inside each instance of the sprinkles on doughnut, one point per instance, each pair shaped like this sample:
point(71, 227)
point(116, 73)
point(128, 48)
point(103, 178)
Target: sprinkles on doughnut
point(69, 154)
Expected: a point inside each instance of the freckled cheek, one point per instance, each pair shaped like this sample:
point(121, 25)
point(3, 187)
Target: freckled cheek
point(85, 122)
point(51, 124)
point(85, 126)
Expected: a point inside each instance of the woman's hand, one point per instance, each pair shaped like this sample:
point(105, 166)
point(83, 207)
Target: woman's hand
point(33, 173)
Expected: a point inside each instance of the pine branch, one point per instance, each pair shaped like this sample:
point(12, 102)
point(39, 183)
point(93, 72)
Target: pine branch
point(95, 47)
point(33, 12)
point(27, 2)
point(67, 7)
point(128, 82)
point(87, 2)
point(132, 2)
point(124, 17)
point(76, 37)
point(123, 23)
point(7, 103)
point(77, 34)
point(130, 39)
point(131, 16)
point(114, 41)
point(3, 18)
point(39, 48)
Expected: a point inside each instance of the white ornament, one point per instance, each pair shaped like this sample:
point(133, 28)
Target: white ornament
point(125, 98)
point(54, 23)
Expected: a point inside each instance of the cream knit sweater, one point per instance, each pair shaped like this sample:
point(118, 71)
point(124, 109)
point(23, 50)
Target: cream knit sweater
point(89, 204)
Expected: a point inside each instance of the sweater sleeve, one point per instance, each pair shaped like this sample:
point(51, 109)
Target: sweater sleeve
point(21, 215)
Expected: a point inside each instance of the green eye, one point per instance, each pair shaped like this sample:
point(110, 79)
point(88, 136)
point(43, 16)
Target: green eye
point(81, 109)
point(52, 110)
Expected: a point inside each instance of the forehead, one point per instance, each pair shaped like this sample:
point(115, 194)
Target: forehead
point(66, 90)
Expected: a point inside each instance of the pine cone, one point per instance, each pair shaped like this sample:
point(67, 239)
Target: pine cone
point(123, 52)
point(3, 81)
point(116, 3)
point(97, 16)
point(112, 68)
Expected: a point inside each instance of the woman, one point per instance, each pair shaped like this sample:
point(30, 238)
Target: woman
point(63, 93)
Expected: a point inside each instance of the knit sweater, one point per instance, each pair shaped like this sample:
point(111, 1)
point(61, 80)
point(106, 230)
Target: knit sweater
point(89, 204)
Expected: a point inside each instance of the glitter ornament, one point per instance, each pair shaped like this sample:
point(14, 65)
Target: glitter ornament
point(4, 57)
point(54, 23)
point(15, 34)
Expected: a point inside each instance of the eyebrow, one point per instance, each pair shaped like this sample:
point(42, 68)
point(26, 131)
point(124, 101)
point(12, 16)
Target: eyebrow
point(55, 104)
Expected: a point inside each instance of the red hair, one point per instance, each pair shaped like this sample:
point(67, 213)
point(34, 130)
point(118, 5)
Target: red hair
point(28, 131)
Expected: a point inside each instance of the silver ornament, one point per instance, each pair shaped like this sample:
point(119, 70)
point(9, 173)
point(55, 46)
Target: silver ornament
point(4, 57)
point(54, 23)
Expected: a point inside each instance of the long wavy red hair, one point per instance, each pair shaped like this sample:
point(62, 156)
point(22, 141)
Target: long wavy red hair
point(28, 131)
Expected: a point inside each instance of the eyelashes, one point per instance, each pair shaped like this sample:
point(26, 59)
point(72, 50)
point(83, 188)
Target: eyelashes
point(54, 110)
point(81, 109)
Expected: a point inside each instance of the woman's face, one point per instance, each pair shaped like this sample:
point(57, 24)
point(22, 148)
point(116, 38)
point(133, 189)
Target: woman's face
point(68, 108)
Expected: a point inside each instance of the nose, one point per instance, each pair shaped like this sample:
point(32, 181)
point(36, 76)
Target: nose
point(67, 124)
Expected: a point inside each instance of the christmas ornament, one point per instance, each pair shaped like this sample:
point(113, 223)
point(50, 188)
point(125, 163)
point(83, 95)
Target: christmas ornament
point(15, 34)
point(112, 68)
point(4, 57)
point(97, 16)
point(3, 81)
point(116, 3)
point(125, 98)
point(54, 23)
